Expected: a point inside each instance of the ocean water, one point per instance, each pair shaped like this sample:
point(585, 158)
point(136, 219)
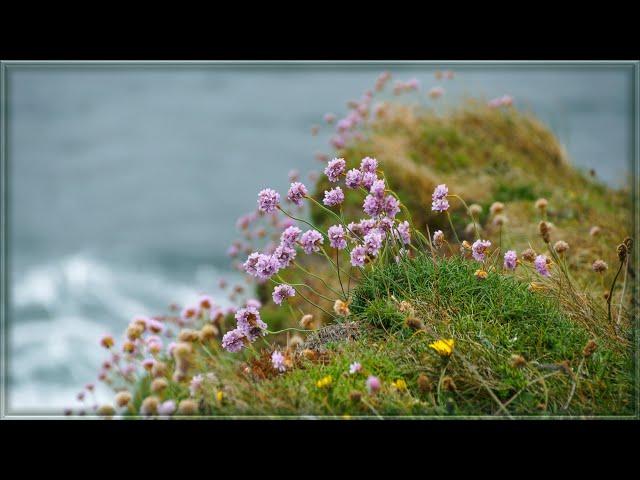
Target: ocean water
point(125, 182)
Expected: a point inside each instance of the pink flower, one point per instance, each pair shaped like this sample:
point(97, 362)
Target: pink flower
point(268, 200)
point(296, 193)
point(510, 260)
point(333, 197)
point(373, 384)
point(541, 265)
point(277, 360)
point(335, 168)
point(479, 248)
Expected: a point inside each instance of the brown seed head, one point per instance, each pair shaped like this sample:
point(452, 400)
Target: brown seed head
point(543, 227)
point(414, 323)
point(159, 385)
point(589, 348)
point(188, 407)
point(561, 246)
point(529, 255)
point(518, 361)
point(622, 252)
point(355, 396)
point(122, 398)
point(424, 384)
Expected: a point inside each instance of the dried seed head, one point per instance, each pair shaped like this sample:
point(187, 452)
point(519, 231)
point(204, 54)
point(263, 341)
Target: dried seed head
point(595, 230)
point(475, 209)
point(355, 396)
point(179, 375)
point(470, 229)
point(150, 406)
point(448, 384)
point(188, 407)
point(466, 245)
point(128, 347)
point(622, 252)
point(134, 331)
point(106, 411)
point(295, 341)
point(518, 361)
point(159, 369)
point(561, 246)
point(496, 207)
point(589, 348)
point(500, 220)
point(414, 323)
point(307, 321)
point(158, 385)
point(182, 350)
point(541, 204)
point(424, 384)
point(107, 341)
point(309, 354)
point(341, 308)
point(481, 274)
point(208, 332)
point(543, 227)
point(628, 241)
point(122, 398)
point(605, 295)
point(599, 266)
point(188, 335)
point(529, 255)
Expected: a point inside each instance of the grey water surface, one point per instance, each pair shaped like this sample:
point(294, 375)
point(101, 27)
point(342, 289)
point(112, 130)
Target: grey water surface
point(125, 182)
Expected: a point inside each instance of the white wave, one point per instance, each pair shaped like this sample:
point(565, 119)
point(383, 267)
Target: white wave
point(60, 310)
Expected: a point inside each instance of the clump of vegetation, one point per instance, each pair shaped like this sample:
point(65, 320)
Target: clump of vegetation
point(401, 297)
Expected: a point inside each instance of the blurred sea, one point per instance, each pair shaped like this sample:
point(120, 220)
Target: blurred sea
point(125, 182)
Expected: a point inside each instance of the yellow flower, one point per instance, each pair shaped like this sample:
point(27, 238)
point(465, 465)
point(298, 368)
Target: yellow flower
point(444, 347)
point(219, 395)
point(481, 274)
point(324, 382)
point(400, 385)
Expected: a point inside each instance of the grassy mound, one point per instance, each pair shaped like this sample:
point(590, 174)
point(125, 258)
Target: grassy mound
point(512, 346)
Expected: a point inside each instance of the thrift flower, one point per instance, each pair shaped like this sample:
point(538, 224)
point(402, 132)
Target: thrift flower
point(479, 248)
point(266, 266)
point(541, 265)
point(377, 189)
point(354, 368)
point(333, 197)
point(510, 260)
point(444, 347)
point(311, 241)
point(372, 206)
point(277, 360)
point(391, 206)
point(439, 202)
point(599, 266)
point(329, 118)
point(296, 193)
point(336, 236)
point(268, 200)
point(281, 292)
point(290, 236)
point(353, 178)
point(358, 256)
point(403, 232)
point(233, 340)
point(373, 242)
point(167, 408)
point(373, 384)
point(368, 178)
point(285, 255)
point(334, 169)
point(250, 323)
point(369, 165)
point(438, 238)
